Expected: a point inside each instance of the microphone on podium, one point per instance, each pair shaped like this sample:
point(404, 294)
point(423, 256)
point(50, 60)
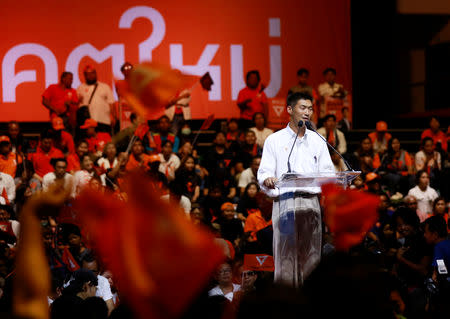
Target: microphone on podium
point(310, 127)
point(300, 124)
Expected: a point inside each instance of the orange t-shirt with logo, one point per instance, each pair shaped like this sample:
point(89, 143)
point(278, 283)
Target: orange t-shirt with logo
point(8, 163)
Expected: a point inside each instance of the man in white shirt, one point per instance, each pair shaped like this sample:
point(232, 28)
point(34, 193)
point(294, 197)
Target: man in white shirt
point(329, 88)
point(59, 175)
point(297, 236)
point(249, 175)
point(101, 105)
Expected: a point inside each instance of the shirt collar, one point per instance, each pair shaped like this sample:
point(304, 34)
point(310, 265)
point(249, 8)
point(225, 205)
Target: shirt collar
point(292, 133)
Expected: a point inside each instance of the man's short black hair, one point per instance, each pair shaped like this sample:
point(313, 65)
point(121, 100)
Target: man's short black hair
point(55, 160)
point(64, 74)
point(48, 133)
point(329, 70)
point(293, 98)
point(302, 71)
point(256, 72)
point(418, 175)
point(437, 224)
point(329, 116)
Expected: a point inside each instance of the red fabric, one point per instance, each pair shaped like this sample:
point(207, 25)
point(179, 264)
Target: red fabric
point(8, 164)
point(58, 95)
point(256, 105)
point(349, 214)
point(41, 160)
point(133, 164)
point(66, 143)
point(159, 260)
point(207, 123)
point(438, 137)
point(97, 143)
point(141, 130)
point(257, 262)
point(73, 162)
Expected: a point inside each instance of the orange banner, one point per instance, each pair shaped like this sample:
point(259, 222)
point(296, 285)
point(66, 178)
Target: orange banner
point(41, 39)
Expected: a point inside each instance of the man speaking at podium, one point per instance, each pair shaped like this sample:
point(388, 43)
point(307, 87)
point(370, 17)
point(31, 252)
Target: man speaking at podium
point(296, 215)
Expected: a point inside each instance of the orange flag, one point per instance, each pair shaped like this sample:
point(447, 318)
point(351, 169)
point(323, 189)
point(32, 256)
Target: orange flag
point(151, 86)
point(141, 130)
point(160, 259)
point(349, 214)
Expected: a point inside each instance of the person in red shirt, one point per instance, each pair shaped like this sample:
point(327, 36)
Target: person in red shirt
point(8, 159)
point(73, 160)
point(44, 153)
point(61, 99)
point(96, 140)
point(251, 99)
point(436, 134)
point(62, 140)
point(138, 159)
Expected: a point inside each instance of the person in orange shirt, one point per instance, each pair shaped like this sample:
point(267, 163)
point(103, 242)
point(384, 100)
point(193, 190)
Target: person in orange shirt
point(62, 139)
point(96, 140)
point(44, 153)
point(380, 137)
point(138, 159)
point(73, 160)
point(260, 219)
point(439, 137)
point(8, 159)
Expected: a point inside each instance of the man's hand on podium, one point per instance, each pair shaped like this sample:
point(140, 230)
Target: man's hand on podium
point(270, 182)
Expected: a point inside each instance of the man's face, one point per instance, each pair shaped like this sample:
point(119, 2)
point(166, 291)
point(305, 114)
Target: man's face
point(430, 237)
point(46, 144)
point(259, 120)
point(166, 149)
point(82, 149)
point(74, 240)
point(92, 266)
point(60, 169)
point(4, 215)
point(67, 81)
point(87, 163)
point(13, 130)
point(330, 124)
point(255, 165)
point(5, 148)
point(164, 125)
point(138, 149)
point(248, 279)
point(384, 203)
point(220, 139)
point(224, 274)
point(428, 147)
point(228, 214)
point(434, 124)
point(301, 111)
point(330, 77)
point(253, 81)
point(303, 79)
point(90, 77)
point(412, 204)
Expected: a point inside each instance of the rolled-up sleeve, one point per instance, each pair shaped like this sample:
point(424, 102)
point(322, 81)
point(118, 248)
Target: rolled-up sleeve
point(267, 167)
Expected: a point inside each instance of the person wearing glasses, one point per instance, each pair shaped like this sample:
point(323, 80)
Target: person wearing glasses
point(225, 286)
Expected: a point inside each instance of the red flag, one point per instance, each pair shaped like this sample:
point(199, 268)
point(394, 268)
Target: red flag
point(151, 86)
point(259, 262)
point(349, 214)
point(207, 123)
point(141, 130)
point(159, 258)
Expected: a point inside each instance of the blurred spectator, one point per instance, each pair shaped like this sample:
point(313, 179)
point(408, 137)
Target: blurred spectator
point(82, 177)
point(234, 134)
point(364, 155)
point(373, 183)
point(434, 132)
point(249, 174)
point(218, 155)
point(99, 98)
point(178, 110)
point(73, 160)
point(302, 84)
point(8, 160)
point(169, 161)
point(62, 140)
point(424, 194)
point(411, 202)
point(256, 221)
point(380, 137)
point(185, 149)
point(188, 179)
point(60, 99)
point(231, 227)
point(345, 125)
point(329, 88)
point(108, 160)
point(176, 197)
point(247, 203)
point(163, 135)
point(137, 158)
point(440, 208)
point(44, 153)
point(16, 137)
point(427, 158)
point(251, 99)
point(333, 135)
point(436, 234)
point(96, 140)
point(59, 175)
point(225, 286)
point(7, 225)
point(77, 248)
point(339, 164)
point(249, 149)
point(260, 129)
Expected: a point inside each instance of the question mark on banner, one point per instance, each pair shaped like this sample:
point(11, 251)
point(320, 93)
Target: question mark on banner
point(159, 28)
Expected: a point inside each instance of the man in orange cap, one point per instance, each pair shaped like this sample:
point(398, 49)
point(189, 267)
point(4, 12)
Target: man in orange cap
point(62, 140)
point(99, 98)
point(60, 99)
point(8, 159)
point(96, 140)
point(380, 137)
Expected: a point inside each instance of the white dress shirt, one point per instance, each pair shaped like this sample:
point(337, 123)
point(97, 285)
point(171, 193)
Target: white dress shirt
point(310, 155)
point(7, 186)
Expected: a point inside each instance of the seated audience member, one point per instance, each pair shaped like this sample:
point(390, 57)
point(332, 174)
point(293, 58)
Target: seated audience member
point(428, 159)
point(218, 155)
point(260, 129)
point(231, 227)
point(176, 197)
point(234, 133)
point(344, 125)
point(73, 160)
point(185, 149)
point(77, 248)
point(440, 208)
point(257, 221)
point(82, 177)
point(114, 177)
point(302, 85)
point(251, 99)
point(16, 137)
point(225, 286)
point(380, 137)
point(61, 139)
point(96, 140)
point(8, 159)
point(436, 234)
point(44, 153)
point(163, 134)
point(197, 215)
point(364, 155)
point(214, 198)
point(373, 183)
point(108, 160)
point(411, 202)
point(435, 133)
point(59, 175)
point(109, 276)
point(159, 179)
point(188, 179)
point(248, 204)
point(424, 194)
point(249, 174)
point(8, 225)
point(137, 158)
point(396, 166)
point(329, 88)
point(169, 161)
point(334, 136)
point(249, 149)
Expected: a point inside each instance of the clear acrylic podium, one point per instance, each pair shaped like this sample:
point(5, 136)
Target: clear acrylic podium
point(297, 223)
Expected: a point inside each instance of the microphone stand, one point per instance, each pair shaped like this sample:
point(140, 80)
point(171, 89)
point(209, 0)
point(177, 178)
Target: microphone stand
point(300, 124)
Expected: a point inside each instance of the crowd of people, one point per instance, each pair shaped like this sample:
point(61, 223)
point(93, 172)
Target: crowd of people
point(83, 146)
